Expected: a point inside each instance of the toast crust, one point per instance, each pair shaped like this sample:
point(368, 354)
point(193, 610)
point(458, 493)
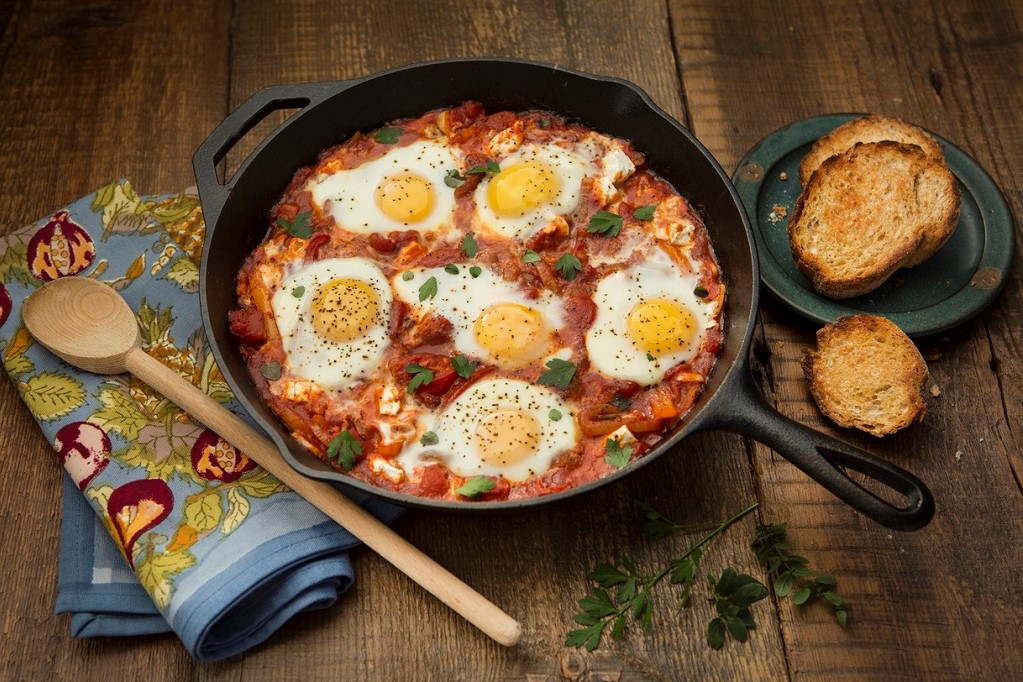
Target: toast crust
point(869, 211)
point(867, 374)
point(873, 128)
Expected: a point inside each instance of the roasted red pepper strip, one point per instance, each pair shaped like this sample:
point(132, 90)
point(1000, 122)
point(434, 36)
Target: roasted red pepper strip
point(441, 384)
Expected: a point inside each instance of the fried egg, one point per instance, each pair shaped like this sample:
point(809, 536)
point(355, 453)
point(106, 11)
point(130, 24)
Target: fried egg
point(498, 427)
point(536, 184)
point(403, 189)
point(648, 320)
point(491, 318)
point(333, 317)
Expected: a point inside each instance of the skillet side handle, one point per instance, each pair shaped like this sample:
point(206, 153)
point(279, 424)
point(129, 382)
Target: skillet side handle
point(215, 147)
point(821, 456)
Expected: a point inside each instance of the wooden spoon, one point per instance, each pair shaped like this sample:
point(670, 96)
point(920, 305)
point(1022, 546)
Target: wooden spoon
point(89, 325)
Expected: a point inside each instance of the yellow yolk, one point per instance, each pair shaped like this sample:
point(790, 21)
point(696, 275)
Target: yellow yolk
point(521, 188)
point(513, 333)
point(407, 198)
point(661, 326)
point(344, 309)
point(507, 437)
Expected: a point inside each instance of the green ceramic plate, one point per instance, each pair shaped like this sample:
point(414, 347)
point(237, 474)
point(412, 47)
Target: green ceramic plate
point(955, 284)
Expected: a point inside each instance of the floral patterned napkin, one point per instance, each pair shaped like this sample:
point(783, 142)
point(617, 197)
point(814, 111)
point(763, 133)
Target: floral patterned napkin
point(188, 533)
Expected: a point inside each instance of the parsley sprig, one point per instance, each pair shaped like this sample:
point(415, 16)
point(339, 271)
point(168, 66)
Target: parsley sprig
point(463, 366)
point(488, 168)
point(616, 454)
point(299, 226)
point(569, 266)
point(792, 575)
point(476, 486)
point(387, 135)
point(622, 590)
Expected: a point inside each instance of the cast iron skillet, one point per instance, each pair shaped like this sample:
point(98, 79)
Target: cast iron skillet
point(328, 113)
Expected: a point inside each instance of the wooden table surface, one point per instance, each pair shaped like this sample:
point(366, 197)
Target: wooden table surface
point(91, 92)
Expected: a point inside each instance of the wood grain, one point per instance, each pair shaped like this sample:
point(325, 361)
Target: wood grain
point(949, 70)
point(92, 92)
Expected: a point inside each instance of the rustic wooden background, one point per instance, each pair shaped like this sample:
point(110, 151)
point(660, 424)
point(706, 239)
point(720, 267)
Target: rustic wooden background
point(93, 91)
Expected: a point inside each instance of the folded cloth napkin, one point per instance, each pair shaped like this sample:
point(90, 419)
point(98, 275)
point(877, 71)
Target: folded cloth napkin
point(165, 526)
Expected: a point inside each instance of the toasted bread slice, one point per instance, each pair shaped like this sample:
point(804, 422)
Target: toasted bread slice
point(866, 129)
point(867, 212)
point(866, 374)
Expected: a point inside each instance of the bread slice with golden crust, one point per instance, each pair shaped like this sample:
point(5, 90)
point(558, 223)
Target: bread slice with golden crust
point(869, 211)
point(867, 374)
point(871, 128)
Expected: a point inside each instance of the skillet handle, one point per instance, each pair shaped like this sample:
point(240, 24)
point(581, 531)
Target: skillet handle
point(821, 456)
point(215, 147)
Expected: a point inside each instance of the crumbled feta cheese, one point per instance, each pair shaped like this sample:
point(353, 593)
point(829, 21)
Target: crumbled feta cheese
point(623, 436)
point(390, 400)
point(386, 469)
point(506, 141)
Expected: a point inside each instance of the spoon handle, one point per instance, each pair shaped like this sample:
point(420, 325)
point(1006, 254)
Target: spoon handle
point(437, 580)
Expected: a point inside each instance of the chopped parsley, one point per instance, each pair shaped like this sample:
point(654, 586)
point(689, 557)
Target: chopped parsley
point(559, 374)
point(645, 212)
point(475, 486)
point(530, 257)
point(428, 289)
point(454, 179)
point(555, 415)
point(605, 223)
point(469, 246)
point(569, 266)
point(429, 438)
point(298, 292)
point(615, 454)
point(407, 275)
point(451, 269)
point(387, 135)
point(271, 371)
point(299, 227)
point(489, 168)
point(420, 376)
point(464, 367)
point(475, 271)
point(344, 448)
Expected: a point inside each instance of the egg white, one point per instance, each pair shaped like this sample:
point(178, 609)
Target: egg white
point(609, 347)
point(456, 428)
point(332, 365)
point(349, 194)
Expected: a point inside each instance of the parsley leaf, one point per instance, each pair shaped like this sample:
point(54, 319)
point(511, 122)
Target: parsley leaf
point(407, 275)
point(271, 371)
point(428, 289)
point(792, 574)
point(555, 415)
point(454, 179)
point(650, 357)
point(530, 257)
point(451, 269)
point(605, 223)
point(429, 438)
point(617, 455)
point(645, 212)
point(489, 168)
point(469, 246)
point(420, 376)
point(345, 448)
point(569, 266)
point(559, 374)
point(475, 486)
point(298, 292)
point(299, 227)
point(475, 271)
point(733, 594)
point(464, 367)
point(387, 135)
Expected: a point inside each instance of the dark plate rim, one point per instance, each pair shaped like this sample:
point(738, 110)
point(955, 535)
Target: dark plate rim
point(996, 255)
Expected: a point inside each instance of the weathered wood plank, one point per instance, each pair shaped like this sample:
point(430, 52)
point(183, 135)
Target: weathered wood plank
point(533, 563)
point(931, 604)
point(88, 94)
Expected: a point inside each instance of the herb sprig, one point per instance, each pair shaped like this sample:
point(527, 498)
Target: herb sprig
point(605, 223)
point(631, 589)
point(559, 374)
point(344, 447)
point(299, 226)
point(792, 574)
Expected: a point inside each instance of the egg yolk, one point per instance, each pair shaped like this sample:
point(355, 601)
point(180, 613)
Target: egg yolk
point(344, 309)
point(407, 198)
point(507, 437)
point(514, 334)
point(521, 188)
point(661, 326)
